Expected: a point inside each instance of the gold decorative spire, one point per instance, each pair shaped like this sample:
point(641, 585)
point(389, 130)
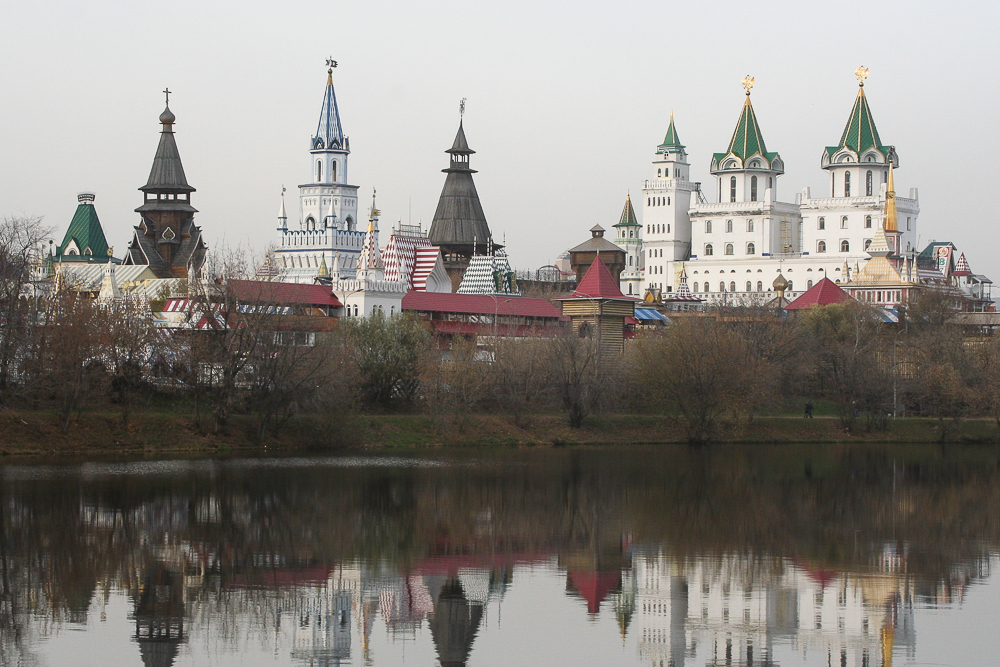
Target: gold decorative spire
point(862, 74)
point(891, 224)
point(747, 82)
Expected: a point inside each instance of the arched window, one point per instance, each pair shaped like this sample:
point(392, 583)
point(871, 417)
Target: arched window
point(668, 201)
point(885, 176)
point(821, 224)
point(868, 220)
point(732, 188)
point(809, 284)
point(770, 182)
point(821, 246)
point(749, 286)
point(843, 222)
point(319, 171)
point(707, 289)
point(355, 310)
point(708, 249)
point(668, 228)
point(729, 226)
point(753, 188)
point(659, 172)
point(760, 286)
point(868, 183)
point(729, 248)
point(789, 288)
point(695, 286)
point(847, 184)
point(868, 242)
point(333, 170)
point(845, 246)
point(722, 286)
point(751, 249)
point(708, 226)
point(750, 225)
point(732, 287)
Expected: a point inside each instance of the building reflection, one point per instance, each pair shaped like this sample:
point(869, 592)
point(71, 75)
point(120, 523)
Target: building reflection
point(314, 570)
point(737, 607)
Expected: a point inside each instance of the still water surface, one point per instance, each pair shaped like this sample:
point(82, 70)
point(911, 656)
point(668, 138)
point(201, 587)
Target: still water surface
point(791, 555)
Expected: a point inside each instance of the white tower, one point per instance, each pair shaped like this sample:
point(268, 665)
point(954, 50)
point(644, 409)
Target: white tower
point(328, 205)
point(666, 227)
point(628, 237)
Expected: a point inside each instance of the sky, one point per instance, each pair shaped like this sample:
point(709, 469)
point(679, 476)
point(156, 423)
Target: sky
point(566, 104)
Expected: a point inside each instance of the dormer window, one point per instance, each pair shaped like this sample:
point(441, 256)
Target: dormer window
point(87, 251)
point(168, 234)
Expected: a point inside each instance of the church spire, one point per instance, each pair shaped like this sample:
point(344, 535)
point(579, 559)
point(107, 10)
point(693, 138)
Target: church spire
point(329, 133)
point(891, 222)
point(167, 173)
point(671, 140)
point(747, 142)
point(628, 214)
point(860, 133)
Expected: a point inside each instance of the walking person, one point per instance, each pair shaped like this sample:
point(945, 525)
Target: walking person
point(809, 410)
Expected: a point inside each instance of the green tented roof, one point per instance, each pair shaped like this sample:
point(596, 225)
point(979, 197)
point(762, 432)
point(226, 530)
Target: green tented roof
point(671, 140)
point(747, 139)
point(86, 230)
point(860, 133)
point(628, 215)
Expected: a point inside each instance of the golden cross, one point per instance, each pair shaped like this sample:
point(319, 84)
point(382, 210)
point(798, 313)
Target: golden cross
point(748, 83)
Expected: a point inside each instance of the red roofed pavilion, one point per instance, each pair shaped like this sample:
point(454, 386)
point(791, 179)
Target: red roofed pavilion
point(822, 293)
point(598, 308)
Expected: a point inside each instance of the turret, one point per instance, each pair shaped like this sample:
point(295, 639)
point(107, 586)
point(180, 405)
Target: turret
point(859, 163)
point(747, 172)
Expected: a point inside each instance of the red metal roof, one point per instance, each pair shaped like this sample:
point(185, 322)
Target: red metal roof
point(480, 304)
point(822, 293)
point(284, 293)
point(597, 284)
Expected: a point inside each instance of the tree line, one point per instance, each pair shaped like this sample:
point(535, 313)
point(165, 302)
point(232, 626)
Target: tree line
point(245, 352)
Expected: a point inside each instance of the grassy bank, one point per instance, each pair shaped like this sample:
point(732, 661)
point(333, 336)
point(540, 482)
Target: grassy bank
point(97, 433)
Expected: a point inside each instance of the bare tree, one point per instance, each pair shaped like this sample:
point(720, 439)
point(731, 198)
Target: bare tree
point(519, 380)
point(128, 342)
point(20, 252)
point(388, 353)
point(585, 377)
point(702, 369)
point(853, 356)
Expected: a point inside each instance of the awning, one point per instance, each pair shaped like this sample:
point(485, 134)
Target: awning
point(649, 315)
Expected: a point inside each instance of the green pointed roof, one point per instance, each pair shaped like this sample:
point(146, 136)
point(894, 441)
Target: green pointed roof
point(860, 133)
point(671, 140)
point(628, 214)
point(85, 229)
point(747, 140)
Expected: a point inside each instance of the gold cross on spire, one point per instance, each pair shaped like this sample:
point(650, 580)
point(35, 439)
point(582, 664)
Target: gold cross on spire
point(748, 83)
point(862, 74)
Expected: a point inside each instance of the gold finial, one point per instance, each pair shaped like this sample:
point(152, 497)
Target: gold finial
point(748, 83)
point(862, 74)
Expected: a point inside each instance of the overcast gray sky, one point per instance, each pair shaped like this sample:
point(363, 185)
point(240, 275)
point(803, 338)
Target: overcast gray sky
point(566, 103)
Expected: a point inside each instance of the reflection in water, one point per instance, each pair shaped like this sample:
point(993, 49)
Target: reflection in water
point(717, 556)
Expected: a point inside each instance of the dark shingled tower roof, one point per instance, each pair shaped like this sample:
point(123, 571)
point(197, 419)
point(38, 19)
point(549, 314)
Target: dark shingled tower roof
point(167, 171)
point(459, 219)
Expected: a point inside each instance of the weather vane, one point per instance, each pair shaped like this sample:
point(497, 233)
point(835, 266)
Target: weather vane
point(461, 107)
point(166, 91)
point(862, 74)
point(330, 62)
point(747, 83)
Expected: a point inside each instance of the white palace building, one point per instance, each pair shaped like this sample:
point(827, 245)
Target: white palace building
point(734, 247)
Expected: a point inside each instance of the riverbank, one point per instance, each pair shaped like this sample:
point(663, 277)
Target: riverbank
point(98, 433)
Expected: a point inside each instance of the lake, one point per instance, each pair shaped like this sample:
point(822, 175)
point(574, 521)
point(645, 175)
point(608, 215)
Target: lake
point(672, 555)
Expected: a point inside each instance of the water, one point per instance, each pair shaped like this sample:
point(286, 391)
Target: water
point(786, 555)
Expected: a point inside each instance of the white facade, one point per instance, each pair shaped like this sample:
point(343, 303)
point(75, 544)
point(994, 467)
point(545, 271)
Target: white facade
point(735, 245)
point(327, 223)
